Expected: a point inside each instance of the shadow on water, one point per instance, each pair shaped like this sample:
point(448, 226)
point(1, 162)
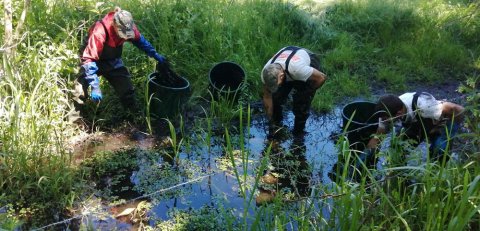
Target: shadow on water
point(295, 165)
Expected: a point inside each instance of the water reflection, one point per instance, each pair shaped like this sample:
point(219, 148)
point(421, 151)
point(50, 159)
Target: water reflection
point(289, 174)
point(297, 164)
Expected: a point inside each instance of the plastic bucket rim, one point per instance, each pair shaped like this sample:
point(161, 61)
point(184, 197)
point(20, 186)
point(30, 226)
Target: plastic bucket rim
point(150, 78)
point(240, 86)
point(351, 119)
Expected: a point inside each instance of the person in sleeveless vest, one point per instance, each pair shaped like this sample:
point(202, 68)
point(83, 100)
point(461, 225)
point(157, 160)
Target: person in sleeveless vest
point(422, 117)
point(101, 56)
point(290, 68)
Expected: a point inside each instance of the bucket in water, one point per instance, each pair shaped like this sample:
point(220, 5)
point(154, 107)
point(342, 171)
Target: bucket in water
point(226, 80)
point(168, 95)
point(362, 124)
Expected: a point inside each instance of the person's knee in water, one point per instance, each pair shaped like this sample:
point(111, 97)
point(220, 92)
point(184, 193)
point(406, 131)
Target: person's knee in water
point(291, 68)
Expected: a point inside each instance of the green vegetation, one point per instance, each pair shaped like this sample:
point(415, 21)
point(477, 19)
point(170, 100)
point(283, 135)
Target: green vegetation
point(205, 218)
point(362, 44)
point(427, 196)
point(111, 170)
point(35, 170)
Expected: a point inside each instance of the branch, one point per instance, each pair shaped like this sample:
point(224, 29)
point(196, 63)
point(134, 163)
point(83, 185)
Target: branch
point(7, 16)
point(26, 5)
point(8, 47)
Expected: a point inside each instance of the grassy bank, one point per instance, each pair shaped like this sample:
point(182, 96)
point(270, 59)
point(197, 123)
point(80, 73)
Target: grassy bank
point(362, 44)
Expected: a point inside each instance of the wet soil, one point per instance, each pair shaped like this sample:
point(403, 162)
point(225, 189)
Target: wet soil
point(196, 159)
point(317, 155)
point(446, 90)
point(87, 144)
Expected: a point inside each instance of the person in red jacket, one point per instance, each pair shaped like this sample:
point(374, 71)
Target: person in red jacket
point(101, 56)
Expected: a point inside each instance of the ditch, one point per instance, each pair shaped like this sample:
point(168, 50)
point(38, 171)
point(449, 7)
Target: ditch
point(293, 168)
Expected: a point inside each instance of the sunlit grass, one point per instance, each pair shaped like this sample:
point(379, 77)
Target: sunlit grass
point(35, 166)
point(359, 42)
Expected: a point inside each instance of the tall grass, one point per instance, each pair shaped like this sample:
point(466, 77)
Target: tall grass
point(35, 172)
point(407, 37)
point(360, 43)
point(429, 196)
point(385, 42)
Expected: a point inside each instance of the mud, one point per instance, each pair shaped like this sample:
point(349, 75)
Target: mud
point(195, 159)
point(446, 90)
point(110, 142)
point(314, 154)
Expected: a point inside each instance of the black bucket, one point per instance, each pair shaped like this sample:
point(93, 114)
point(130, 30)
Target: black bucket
point(226, 80)
point(362, 124)
point(168, 95)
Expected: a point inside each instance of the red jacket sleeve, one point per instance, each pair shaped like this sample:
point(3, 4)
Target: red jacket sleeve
point(136, 32)
point(95, 44)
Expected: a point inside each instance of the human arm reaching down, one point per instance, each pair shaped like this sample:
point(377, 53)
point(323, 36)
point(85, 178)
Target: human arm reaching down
point(452, 111)
point(268, 102)
point(145, 46)
point(317, 79)
point(381, 129)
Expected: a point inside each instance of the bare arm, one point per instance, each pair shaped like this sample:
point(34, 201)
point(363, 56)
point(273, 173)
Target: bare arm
point(317, 79)
point(268, 102)
point(452, 111)
point(373, 142)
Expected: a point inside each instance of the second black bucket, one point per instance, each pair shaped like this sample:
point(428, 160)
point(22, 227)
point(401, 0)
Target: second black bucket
point(226, 80)
point(168, 96)
point(362, 124)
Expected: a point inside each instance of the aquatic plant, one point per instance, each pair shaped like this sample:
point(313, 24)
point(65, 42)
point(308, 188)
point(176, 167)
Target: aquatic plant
point(205, 218)
point(361, 44)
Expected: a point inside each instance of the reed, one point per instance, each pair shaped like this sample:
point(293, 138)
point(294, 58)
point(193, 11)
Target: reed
point(361, 42)
point(36, 172)
point(175, 142)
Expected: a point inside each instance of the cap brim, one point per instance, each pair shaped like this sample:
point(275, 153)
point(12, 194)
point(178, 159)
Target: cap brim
point(126, 33)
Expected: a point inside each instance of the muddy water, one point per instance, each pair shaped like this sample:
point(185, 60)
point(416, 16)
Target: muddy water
point(315, 152)
point(111, 142)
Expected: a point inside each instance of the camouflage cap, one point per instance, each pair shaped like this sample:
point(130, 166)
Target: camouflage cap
point(124, 22)
point(269, 76)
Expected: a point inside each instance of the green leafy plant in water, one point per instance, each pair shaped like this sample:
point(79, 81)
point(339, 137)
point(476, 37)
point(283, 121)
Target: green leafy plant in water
point(472, 118)
point(112, 170)
point(110, 163)
point(157, 174)
point(224, 108)
point(174, 142)
point(205, 218)
point(243, 175)
point(8, 220)
point(148, 100)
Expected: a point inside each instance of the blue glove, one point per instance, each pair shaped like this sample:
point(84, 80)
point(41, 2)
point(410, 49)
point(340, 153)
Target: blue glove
point(159, 58)
point(145, 46)
point(92, 79)
point(96, 94)
point(440, 142)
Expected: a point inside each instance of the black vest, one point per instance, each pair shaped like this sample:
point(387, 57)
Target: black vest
point(108, 52)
